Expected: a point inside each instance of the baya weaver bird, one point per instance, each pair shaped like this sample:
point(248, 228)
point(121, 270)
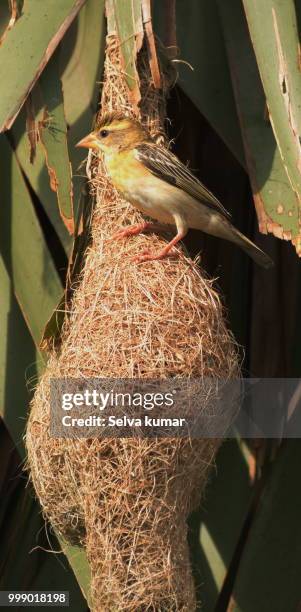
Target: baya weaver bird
point(160, 186)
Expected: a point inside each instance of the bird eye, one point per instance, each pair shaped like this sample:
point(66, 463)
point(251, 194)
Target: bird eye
point(104, 133)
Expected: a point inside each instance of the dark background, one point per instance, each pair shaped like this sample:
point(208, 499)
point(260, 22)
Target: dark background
point(262, 305)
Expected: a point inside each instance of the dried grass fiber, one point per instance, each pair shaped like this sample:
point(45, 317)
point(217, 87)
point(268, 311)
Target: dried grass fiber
point(127, 500)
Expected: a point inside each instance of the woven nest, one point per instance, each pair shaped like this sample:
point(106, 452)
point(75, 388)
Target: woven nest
point(127, 500)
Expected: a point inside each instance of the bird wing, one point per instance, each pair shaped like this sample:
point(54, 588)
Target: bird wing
point(166, 166)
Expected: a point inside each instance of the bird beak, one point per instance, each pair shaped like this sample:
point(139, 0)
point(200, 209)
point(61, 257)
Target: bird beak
point(89, 142)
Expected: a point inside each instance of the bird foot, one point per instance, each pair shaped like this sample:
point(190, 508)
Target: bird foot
point(131, 230)
point(149, 256)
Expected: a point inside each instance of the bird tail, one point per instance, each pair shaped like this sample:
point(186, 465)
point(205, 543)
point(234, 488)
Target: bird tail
point(261, 258)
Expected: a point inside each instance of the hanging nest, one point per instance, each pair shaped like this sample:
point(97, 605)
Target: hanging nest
point(126, 500)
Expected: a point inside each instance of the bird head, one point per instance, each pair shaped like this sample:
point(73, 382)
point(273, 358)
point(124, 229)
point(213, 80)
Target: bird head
point(115, 132)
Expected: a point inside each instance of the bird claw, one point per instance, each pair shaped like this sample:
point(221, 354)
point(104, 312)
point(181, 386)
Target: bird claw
point(149, 256)
point(144, 256)
point(131, 230)
point(119, 235)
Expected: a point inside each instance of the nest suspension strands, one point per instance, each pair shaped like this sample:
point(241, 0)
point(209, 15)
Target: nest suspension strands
point(127, 500)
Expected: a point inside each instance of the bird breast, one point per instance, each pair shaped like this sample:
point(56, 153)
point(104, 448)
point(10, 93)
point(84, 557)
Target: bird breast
point(137, 185)
point(153, 196)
